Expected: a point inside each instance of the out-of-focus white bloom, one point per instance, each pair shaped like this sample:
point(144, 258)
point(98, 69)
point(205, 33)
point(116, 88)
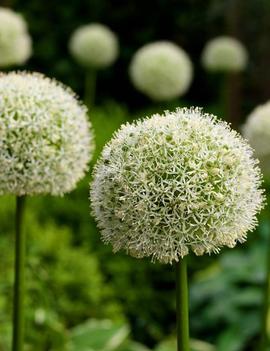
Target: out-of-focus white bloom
point(224, 54)
point(15, 42)
point(45, 137)
point(174, 183)
point(161, 70)
point(94, 45)
point(257, 131)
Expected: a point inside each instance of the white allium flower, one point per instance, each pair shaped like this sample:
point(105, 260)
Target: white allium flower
point(176, 183)
point(45, 137)
point(224, 54)
point(257, 131)
point(161, 70)
point(94, 45)
point(15, 42)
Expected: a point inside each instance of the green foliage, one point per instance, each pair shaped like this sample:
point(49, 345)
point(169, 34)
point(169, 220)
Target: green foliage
point(103, 335)
point(98, 336)
point(226, 297)
point(105, 121)
point(64, 284)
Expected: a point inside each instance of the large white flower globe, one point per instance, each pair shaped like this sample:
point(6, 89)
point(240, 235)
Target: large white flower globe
point(161, 70)
point(175, 183)
point(257, 131)
point(46, 140)
point(15, 42)
point(224, 54)
point(94, 46)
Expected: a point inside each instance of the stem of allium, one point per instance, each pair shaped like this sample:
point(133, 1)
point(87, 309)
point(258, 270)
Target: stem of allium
point(182, 305)
point(232, 99)
point(90, 87)
point(265, 338)
point(18, 308)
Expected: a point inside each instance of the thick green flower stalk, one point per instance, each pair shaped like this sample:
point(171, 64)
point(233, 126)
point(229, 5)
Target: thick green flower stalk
point(228, 56)
point(257, 131)
point(93, 46)
point(161, 70)
point(45, 146)
point(173, 184)
point(15, 42)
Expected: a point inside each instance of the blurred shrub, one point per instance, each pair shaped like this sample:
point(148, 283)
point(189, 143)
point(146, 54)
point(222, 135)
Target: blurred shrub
point(64, 284)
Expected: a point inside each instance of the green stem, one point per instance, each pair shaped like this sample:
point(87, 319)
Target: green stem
point(182, 305)
point(90, 87)
point(18, 313)
point(265, 337)
point(232, 99)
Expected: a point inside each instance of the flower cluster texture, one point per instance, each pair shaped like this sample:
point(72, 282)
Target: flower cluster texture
point(45, 137)
point(161, 70)
point(224, 54)
point(15, 42)
point(174, 183)
point(94, 46)
point(257, 131)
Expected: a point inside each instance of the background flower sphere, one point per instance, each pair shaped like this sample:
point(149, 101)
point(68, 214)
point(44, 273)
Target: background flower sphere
point(224, 54)
point(45, 137)
point(94, 45)
point(15, 42)
point(175, 183)
point(257, 131)
point(161, 70)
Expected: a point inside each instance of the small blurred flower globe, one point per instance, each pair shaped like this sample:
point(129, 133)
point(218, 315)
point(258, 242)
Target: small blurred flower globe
point(94, 46)
point(257, 131)
point(45, 138)
point(224, 54)
point(15, 42)
point(161, 70)
point(175, 183)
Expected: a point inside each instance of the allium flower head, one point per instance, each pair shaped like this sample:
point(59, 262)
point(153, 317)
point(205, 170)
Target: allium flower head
point(45, 140)
point(161, 70)
point(94, 45)
point(15, 42)
point(224, 54)
point(257, 131)
point(176, 183)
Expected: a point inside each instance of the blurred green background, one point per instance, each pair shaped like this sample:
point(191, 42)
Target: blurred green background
point(81, 296)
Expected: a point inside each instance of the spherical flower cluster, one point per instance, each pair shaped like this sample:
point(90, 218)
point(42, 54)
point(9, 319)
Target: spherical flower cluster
point(224, 54)
point(94, 45)
point(15, 42)
point(175, 183)
point(45, 137)
point(161, 70)
point(257, 131)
